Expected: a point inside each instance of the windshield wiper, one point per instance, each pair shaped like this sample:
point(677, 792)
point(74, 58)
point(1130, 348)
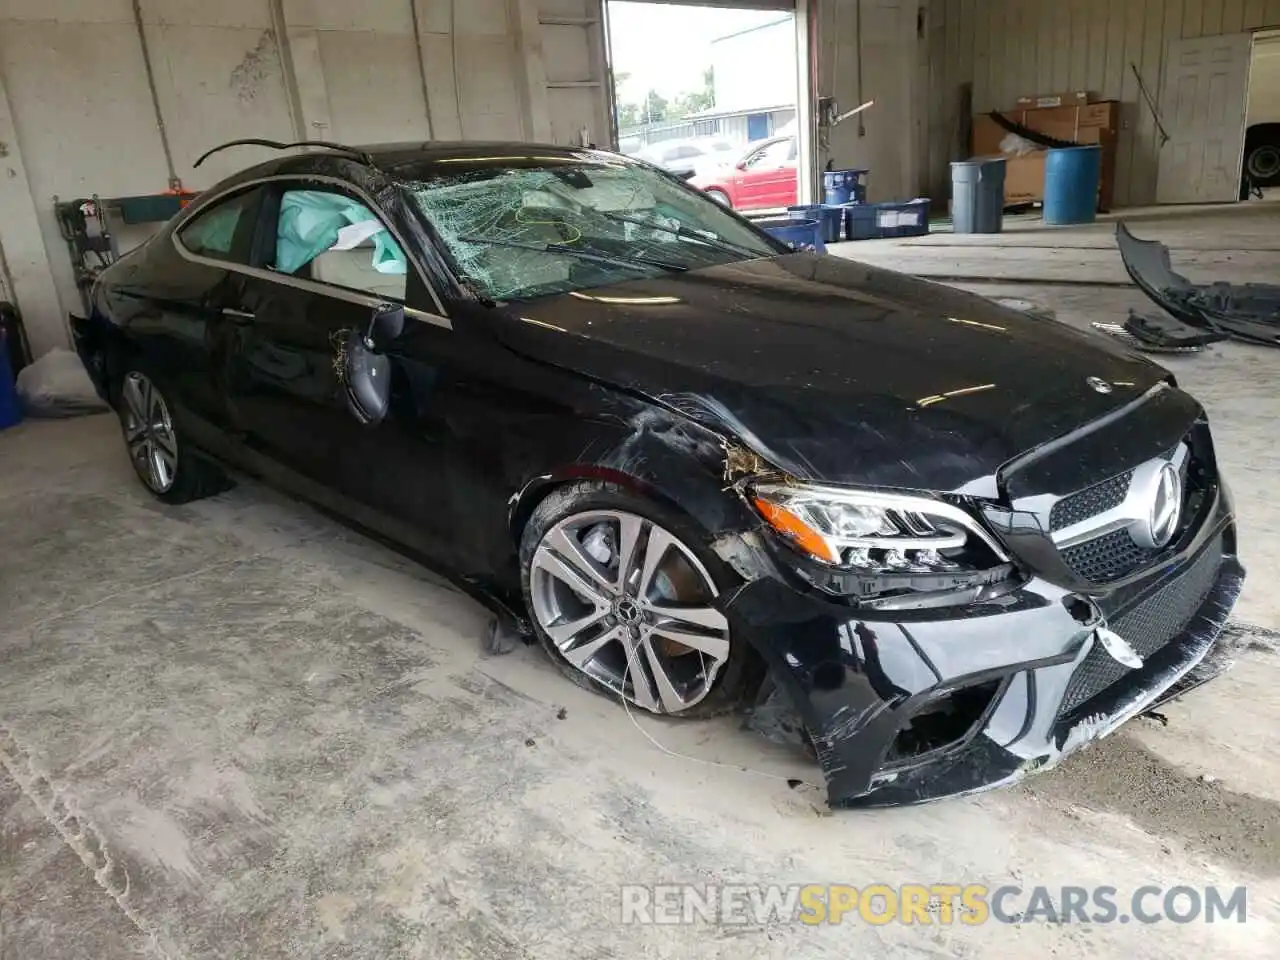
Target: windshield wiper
point(680, 230)
point(621, 261)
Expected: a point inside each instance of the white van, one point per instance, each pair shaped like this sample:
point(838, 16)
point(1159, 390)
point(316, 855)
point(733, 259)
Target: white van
point(1262, 126)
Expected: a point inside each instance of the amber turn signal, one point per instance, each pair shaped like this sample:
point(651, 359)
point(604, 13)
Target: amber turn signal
point(791, 526)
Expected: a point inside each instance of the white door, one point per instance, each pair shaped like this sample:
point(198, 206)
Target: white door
point(1202, 105)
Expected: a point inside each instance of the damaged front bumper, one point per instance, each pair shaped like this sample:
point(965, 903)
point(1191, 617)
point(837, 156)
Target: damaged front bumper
point(915, 708)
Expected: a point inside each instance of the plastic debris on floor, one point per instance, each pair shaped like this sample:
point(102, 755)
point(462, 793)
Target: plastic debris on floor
point(57, 385)
point(1241, 311)
point(1154, 334)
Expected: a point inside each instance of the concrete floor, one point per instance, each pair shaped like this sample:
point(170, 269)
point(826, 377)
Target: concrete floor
point(237, 729)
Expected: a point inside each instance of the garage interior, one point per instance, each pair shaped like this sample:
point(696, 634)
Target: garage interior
point(238, 728)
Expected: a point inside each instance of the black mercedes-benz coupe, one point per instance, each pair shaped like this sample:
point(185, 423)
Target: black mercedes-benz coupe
point(710, 473)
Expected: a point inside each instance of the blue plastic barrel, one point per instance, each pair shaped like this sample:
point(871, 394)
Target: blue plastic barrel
point(1071, 178)
point(10, 408)
point(797, 234)
point(843, 186)
point(830, 218)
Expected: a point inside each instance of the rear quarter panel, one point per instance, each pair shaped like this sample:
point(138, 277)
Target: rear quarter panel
point(167, 314)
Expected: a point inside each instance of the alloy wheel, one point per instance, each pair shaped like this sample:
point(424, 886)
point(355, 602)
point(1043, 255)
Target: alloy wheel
point(630, 605)
point(148, 432)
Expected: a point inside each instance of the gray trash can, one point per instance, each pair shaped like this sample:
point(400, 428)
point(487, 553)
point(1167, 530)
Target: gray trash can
point(977, 196)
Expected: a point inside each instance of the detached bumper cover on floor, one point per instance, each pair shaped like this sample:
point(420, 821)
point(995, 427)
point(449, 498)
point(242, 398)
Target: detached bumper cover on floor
point(1045, 683)
point(1246, 311)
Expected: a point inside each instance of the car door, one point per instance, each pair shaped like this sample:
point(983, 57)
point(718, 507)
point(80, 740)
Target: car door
point(763, 181)
point(782, 188)
point(174, 295)
point(327, 262)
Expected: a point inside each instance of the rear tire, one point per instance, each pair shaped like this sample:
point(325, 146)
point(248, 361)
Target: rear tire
point(162, 457)
point(610, 626)
point(1262, 164)
point(720, 197)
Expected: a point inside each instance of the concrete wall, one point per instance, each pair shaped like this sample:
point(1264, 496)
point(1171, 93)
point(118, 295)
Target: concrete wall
point(77, 115)
point(1006, 48)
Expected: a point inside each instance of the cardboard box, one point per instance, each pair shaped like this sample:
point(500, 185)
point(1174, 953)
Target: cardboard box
point(1084, 125)
point(987, 135)
point(1071, 98)
point(1024, 176)
point(1024, 179)
point(1105, 116)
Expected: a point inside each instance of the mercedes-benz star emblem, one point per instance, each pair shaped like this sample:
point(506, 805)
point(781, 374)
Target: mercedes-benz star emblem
point(1166, 506)
point(1100, 385)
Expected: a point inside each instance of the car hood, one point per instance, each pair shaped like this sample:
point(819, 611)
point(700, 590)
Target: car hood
point(836, 371)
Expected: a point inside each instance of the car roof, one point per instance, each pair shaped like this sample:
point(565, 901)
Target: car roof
point(420, 160)
point(668, 144)
point(755, 145)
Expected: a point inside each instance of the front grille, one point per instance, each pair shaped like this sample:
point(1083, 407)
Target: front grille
point(1147, 627)
point(1107, 558)
point(1089, 502)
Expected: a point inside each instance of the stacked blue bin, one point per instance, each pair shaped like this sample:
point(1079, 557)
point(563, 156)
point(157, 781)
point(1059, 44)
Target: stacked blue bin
point(830, 219)
point(841, 187)
point(10, 408)
point(798, 234)
point(877, 221)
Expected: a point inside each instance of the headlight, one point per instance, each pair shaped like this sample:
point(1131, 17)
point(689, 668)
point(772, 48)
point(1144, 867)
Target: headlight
point(865, 532)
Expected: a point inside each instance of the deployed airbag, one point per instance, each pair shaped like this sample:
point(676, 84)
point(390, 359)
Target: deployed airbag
point(315, 221)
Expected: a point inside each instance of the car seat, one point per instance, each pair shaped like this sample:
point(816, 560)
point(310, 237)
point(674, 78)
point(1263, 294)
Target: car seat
point(354, 270)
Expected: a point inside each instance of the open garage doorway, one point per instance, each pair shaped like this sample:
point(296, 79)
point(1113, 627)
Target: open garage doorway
point(712, 93)
point(1262, 119)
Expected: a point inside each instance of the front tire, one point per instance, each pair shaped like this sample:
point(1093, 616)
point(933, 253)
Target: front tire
point(163, 460)
point(621, 593)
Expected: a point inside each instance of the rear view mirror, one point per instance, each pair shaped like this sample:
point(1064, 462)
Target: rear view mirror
point(366, 371)
point(366, 374)
point(387, 324)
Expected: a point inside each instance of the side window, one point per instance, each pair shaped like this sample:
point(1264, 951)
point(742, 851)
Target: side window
point(775, 155)
point(329, 238)
point(225, 230)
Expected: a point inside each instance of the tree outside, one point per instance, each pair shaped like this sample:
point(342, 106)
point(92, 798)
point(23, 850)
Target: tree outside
point(654, 108)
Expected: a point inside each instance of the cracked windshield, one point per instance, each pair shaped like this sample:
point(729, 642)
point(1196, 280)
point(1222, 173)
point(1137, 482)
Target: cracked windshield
point(520, 231)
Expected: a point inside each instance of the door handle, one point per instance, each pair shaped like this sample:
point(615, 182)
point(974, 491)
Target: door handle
point(237, 316)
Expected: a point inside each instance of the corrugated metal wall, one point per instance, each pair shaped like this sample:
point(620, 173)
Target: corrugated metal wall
point(1006, 48)
point(888, 140)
